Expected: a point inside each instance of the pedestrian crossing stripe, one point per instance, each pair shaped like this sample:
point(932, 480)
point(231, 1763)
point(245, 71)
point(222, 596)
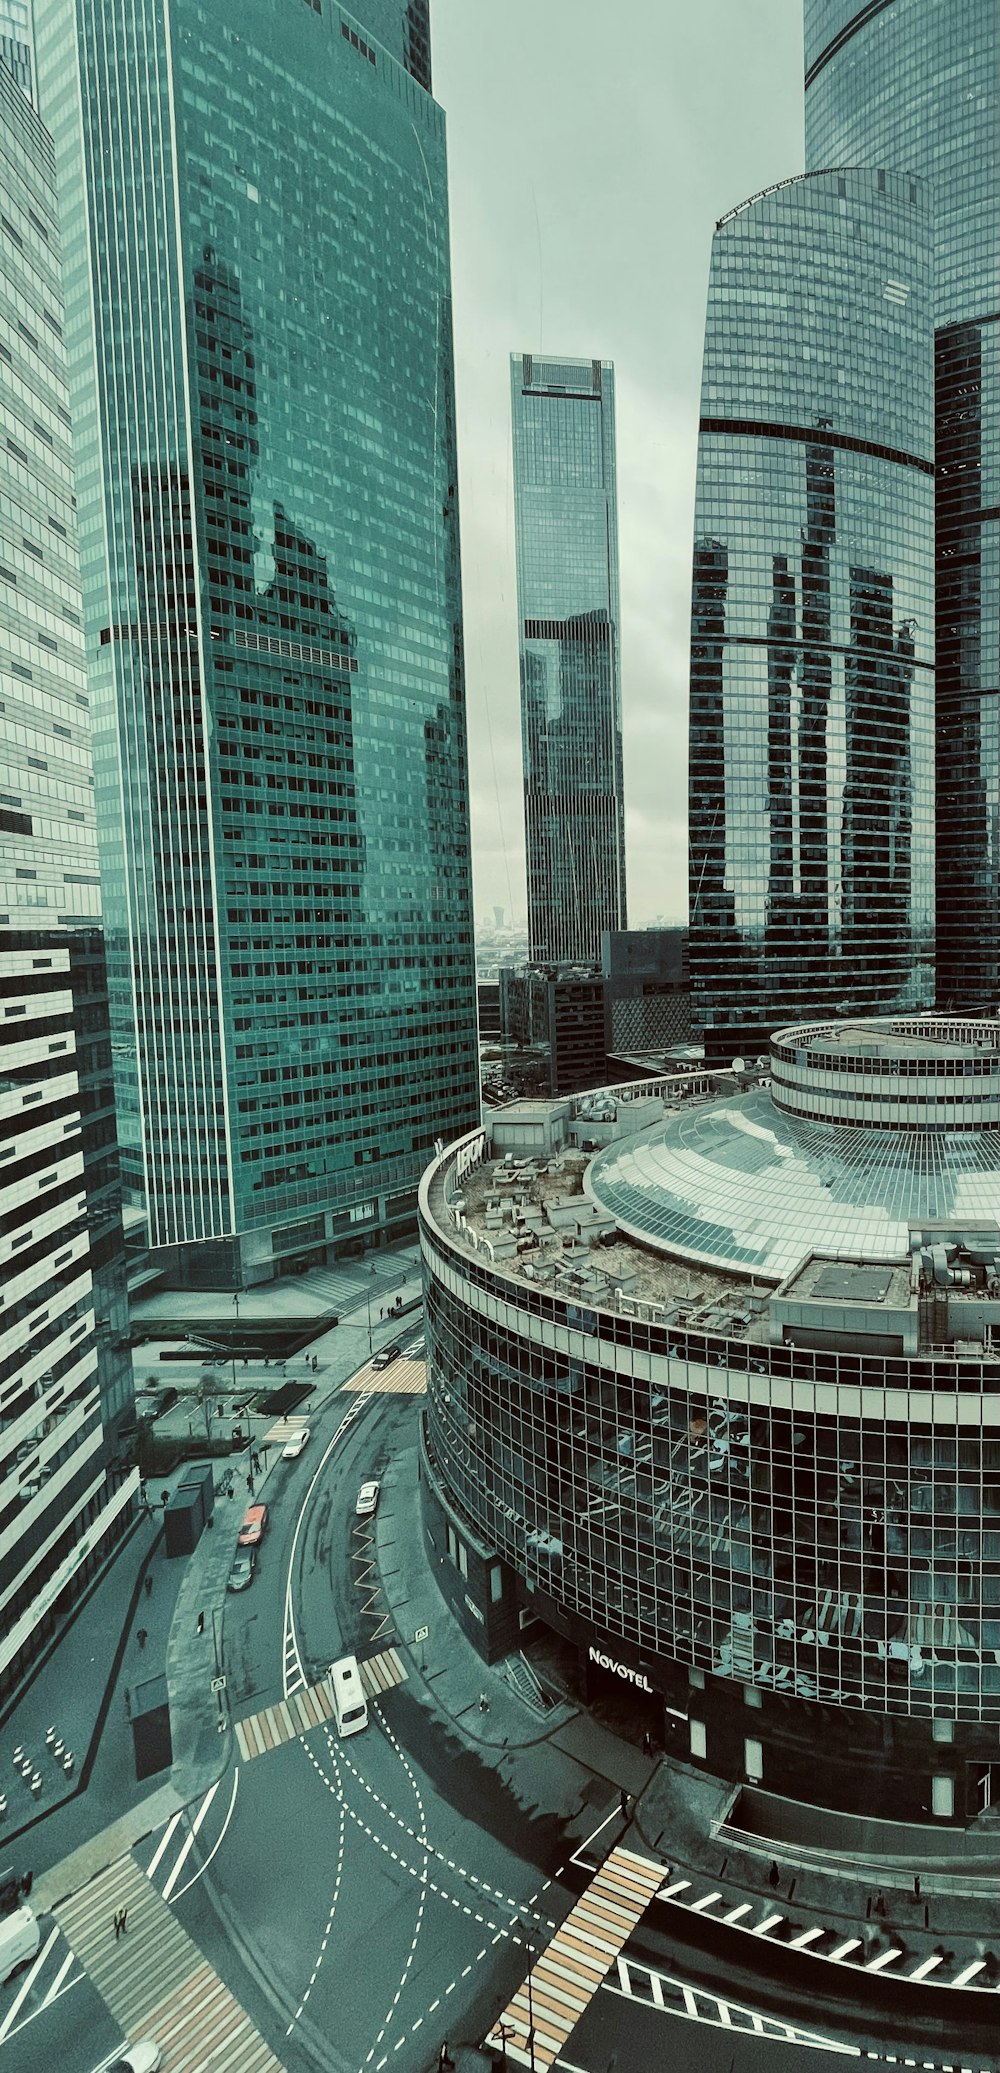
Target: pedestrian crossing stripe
point(562, 1982)
point(407, 1377)
point(311, 1706)
point(153, 1978)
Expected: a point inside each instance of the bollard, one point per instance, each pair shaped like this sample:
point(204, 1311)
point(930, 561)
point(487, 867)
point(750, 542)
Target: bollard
point(68, 1761)
point(3, 1805)
point(50, 1736)
point(18, 1758)
point(36, 1784)
point(27, 1767)
point(59, 1747)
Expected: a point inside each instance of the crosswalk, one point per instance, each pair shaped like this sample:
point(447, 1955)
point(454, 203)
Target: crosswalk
point(638, 1982)
point(404, 1377)
point(310, 1707)
point(537, 2023)
point(154, 1980)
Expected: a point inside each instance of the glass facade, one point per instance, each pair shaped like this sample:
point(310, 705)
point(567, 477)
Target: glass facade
point(812, 1521)
point(260, 336)
point(916, 86)
point(65, 1365)
point(566, 534)
point(16, 51)
point(811, 772)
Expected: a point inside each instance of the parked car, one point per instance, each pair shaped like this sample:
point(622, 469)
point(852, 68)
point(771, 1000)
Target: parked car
point(293, 1447)
point(387, 1354)
point(241, 1574)
point(368, 1497)
point(143, 2057)
point(254, 1526)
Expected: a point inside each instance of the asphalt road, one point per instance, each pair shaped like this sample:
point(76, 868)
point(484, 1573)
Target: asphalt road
point(365, 1899)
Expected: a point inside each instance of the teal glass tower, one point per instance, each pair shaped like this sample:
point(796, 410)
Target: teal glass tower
point(916, 86)
point(566, 532)
point(259, 329)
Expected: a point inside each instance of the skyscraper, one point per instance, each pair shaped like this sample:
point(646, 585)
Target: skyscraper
point(64, 1358)
point(260, 336)
point(566, 529)
point(812, 683)
point(916, 87)
point(846, 542)
point(16, 51)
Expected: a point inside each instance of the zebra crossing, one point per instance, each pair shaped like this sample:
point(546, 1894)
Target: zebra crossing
point(638, 1982)
point(153, 1978)
point(539, 2020)
point(404, 1377)
point(311, 1706)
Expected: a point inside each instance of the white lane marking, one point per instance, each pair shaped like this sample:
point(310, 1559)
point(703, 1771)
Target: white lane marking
point(219, 1840)
point(56, 1987)
point(76, 1981)
point(29, 1980)
point(184, 1853)
point(359, 1403)
point(165, 1839)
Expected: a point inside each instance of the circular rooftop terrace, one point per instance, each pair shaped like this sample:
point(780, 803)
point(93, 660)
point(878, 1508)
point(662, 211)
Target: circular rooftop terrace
point(867, 1128)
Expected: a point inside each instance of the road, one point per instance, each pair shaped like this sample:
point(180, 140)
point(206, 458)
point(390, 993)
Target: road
point(365, 1900)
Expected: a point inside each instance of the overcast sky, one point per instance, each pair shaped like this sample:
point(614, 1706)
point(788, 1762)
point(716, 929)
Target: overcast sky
point(591, 150)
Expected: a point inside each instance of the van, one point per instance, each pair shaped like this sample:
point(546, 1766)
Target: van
point(20, 1938)
point(350, 1707)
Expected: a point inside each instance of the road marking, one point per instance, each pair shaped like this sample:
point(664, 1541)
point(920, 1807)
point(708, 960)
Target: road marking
point(154, 1979)
point(219, 1840)
point(57, 1985)
point(166, 1838)
point(190, 1841)
point(563, 1980)
point(28, 1982)
point(670, 1996)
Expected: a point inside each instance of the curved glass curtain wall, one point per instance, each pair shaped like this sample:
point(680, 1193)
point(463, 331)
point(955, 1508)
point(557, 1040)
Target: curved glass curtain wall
point(811, 757)
point(825, 1554)
point(915, 86)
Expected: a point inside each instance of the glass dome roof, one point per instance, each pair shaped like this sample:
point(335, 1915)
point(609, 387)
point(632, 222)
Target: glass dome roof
point(737, 1184)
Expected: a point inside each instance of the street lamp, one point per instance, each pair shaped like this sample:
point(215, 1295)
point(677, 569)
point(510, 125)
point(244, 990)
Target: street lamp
point(530, 1948)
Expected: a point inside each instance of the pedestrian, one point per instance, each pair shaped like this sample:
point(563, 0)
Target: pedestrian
point(118, 1923)
point(142, 1637)
point(250, 1484)
point(149, 1586)
point(164, 1497)
point(916, 1886)
point(647, 1742)
point(880, 1904)
point(201, 1623)
point(774, 1874)
point(123, 1918)
point(484, 1704)
point(624, 1804)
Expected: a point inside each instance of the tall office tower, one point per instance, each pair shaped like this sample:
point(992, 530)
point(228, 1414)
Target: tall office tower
point(812, 694)
point(566, 528)
point(915, 86)
point(16, 51)
point(65, 1368)
point(260, 337)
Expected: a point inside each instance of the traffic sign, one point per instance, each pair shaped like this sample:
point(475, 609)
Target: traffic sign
point(421, 1634)
point(218, 1684)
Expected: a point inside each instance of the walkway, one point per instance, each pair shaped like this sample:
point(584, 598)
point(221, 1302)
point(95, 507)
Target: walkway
point(563, 1981)
point(154, 1979)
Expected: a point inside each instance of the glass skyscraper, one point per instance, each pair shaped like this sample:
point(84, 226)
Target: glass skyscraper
point(566, 532)
point(916, 86)
point(65, 1366)
point(846, 543)
point(812, 681)
point(259, 323)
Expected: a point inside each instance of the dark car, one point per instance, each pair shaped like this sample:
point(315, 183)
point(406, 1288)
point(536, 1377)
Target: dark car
point(386, 1355)
point(241, 1574)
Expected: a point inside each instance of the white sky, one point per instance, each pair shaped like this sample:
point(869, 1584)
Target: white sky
point(592, 148)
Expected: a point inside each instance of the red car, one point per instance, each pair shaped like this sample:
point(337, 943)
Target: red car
point(254, 1526)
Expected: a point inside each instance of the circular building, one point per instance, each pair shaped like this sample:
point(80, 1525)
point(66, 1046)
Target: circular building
point(713, 1394)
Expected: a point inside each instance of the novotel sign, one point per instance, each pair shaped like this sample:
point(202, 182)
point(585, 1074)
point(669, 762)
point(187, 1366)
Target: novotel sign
point(624, 1670)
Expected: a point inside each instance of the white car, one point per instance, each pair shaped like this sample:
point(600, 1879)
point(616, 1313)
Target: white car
point(367, 1504)
point(136, 2058)
point(293, 1447)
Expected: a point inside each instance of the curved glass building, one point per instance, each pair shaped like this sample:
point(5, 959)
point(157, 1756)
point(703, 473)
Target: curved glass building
point(915, 86)
point(811, 770)
point(714, 1393)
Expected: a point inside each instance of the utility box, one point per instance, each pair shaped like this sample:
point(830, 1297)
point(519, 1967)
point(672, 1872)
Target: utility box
point(151, 1739)
point(200, 1482)
point(182, 1522)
